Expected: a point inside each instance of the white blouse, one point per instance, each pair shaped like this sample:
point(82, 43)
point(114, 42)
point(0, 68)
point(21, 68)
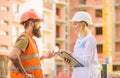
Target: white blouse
point(85, 52)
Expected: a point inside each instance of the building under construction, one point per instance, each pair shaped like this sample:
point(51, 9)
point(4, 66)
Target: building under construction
point(57, 31)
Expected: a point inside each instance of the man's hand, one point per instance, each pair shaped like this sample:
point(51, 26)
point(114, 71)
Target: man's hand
point(49, 55)
point(27, 75)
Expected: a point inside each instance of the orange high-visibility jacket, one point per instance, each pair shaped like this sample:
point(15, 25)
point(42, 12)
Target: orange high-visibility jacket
point(30, 61)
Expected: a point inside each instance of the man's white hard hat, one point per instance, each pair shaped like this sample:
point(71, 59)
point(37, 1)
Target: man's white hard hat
point(82, 16)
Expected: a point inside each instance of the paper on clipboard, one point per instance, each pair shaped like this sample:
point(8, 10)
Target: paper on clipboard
point(73, 62)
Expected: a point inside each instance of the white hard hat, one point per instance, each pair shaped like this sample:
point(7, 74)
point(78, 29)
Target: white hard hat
point(82, 16)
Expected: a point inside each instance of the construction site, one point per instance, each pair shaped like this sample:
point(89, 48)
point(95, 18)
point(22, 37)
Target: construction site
point(57, 31)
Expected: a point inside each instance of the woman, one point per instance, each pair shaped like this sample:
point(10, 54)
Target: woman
point(85, 47)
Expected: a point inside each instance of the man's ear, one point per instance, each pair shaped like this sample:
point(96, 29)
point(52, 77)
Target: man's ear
point(31, 23)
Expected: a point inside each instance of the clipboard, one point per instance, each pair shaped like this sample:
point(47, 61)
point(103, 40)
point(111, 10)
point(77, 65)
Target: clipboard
point(73, 62)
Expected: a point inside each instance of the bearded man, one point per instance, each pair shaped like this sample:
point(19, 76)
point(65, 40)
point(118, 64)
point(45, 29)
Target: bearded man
point(24, 55)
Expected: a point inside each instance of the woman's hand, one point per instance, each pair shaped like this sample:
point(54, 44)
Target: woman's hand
point(67, 61)
point(61, 51)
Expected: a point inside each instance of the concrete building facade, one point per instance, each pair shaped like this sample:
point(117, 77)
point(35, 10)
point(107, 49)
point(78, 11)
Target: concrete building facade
point(5, 25)
point(5, 35)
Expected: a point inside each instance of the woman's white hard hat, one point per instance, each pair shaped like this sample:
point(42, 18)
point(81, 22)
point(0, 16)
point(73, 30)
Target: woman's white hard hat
point(82, 16)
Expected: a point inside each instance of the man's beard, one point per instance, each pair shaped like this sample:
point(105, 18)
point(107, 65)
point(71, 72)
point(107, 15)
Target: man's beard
point(36, 32)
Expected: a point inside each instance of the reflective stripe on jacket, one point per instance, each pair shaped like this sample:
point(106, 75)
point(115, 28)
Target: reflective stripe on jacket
point(29, 59)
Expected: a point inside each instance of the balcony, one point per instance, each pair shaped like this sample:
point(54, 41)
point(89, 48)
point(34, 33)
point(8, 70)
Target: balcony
point(61, 3)
point(83, 7)
point(87, 6)
point(117, 40)
point(60, 22)
point(117, 5)
point(98, 24)
point(59, 40)
point(117, 22)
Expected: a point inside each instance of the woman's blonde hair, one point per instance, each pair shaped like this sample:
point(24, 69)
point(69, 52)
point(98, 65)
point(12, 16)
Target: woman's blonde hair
point(86, 30)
